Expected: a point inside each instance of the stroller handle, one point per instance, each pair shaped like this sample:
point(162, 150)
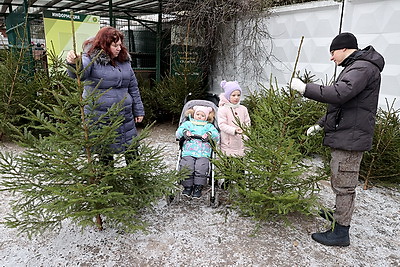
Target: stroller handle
point(196, 136)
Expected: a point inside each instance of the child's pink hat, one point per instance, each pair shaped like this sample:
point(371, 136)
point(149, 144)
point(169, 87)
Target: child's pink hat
point(205, 110)
point(230, 87)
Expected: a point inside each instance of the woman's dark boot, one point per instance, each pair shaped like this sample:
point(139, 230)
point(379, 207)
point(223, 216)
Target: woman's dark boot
point(197, 191)
point(338, 236)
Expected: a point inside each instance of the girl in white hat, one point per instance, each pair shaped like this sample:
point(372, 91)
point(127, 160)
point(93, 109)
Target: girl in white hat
point(197, 131)
point(232, 116)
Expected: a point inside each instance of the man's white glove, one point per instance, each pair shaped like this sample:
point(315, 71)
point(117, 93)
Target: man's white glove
point(298, 85)
point(313, 130)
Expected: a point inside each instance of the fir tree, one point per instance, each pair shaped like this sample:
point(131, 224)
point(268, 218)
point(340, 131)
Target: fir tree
point(380, 164)
point(61, 175)
point(271, 178)
point(18, 86)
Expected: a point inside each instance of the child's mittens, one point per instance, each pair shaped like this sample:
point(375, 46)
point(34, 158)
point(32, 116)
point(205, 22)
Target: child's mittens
point(238, 131)
point(187, 135)
point(205, 137)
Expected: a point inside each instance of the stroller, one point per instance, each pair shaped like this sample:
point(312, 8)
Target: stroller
point(210, 188)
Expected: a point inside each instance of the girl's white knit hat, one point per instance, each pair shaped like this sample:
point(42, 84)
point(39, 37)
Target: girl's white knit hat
point(230, 87)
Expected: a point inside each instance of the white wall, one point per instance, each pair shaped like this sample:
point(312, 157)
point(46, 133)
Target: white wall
point(374, 22)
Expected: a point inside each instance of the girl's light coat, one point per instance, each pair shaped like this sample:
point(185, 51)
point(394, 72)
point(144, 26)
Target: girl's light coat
point(231, 143)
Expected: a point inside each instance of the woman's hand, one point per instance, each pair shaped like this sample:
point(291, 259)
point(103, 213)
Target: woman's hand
point(72, 57)
point(138, 119)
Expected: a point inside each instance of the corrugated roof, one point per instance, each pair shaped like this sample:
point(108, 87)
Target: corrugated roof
point(119, 8)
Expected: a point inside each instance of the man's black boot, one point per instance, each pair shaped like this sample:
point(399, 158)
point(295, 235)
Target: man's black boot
point(338, 236)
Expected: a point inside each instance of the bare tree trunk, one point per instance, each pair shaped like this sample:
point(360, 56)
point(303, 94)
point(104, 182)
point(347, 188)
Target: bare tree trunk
point(99, 222)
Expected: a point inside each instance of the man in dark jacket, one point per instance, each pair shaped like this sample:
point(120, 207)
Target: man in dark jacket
point(348, 124)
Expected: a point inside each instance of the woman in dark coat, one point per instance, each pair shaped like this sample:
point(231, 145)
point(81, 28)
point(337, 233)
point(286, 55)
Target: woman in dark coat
point(112, 76)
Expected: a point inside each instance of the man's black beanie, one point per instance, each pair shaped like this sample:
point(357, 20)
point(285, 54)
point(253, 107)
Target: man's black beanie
point(344, 40)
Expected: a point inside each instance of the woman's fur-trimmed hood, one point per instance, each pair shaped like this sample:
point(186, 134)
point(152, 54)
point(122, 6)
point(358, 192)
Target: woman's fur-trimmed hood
point(102, 57)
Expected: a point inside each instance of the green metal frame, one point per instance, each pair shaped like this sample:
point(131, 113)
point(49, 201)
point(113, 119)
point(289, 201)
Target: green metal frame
point(112, 21)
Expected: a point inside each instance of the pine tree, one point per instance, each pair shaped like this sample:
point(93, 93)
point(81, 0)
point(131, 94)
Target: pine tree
point(271, 178)
point(18, 86)
point(380, 164)
point(173, 91)
point(61, 176)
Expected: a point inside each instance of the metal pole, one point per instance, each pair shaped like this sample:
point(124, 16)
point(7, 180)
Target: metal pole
point(158, 42)
point(340, 31)
point(341, 17)
point(129, 36)
point(110, 13)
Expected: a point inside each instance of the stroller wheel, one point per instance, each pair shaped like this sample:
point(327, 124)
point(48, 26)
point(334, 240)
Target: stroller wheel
point(213, 200)
point(169, 199)
point(172, 199)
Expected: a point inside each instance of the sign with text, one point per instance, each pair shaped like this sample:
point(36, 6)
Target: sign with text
point(58, 30)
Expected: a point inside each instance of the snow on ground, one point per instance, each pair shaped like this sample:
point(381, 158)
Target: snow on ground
point(190, 233)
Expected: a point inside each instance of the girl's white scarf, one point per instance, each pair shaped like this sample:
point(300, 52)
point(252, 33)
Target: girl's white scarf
point(230, 105)
point(197, 122)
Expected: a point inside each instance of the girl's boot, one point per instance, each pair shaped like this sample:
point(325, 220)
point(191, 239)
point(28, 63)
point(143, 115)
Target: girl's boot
point(187, 191)
point(197, 191)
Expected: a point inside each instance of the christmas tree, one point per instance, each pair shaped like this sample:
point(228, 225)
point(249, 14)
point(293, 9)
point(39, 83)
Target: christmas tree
point(61, 175)
point(273, 179)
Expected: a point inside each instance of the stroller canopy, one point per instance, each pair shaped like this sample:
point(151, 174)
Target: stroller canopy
point(190, 104)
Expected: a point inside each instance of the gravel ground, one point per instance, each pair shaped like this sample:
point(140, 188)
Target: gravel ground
point(190, 233)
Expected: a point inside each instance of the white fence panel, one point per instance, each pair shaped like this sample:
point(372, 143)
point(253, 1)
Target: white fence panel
point(374, 22)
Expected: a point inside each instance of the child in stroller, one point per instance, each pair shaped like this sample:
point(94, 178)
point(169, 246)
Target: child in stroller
point(196, 134)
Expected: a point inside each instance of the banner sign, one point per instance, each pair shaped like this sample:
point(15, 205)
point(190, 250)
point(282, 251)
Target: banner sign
point(58, 31)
